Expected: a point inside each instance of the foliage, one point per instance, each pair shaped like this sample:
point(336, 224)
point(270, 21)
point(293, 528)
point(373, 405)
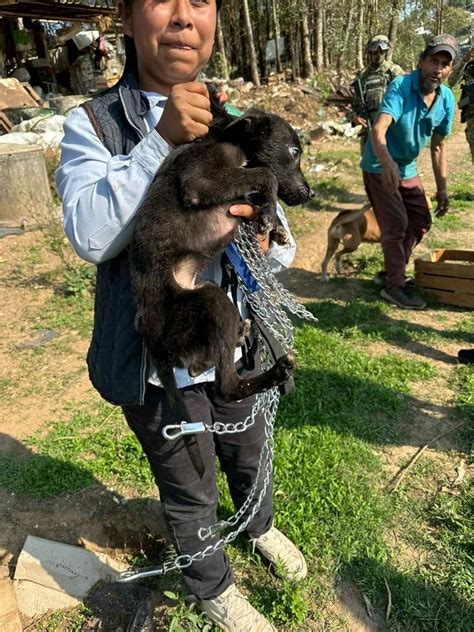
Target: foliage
point(346, 28)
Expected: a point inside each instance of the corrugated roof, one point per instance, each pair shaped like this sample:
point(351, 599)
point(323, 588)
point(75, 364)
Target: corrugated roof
point(70, 10)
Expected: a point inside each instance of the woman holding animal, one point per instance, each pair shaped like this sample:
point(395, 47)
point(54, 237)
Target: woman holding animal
point(111, 151)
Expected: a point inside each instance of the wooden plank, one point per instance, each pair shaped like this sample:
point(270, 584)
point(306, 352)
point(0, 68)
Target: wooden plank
point(445, 269)
point(451, 298)
point(9, 616)
point(452, 284)
point(14, 95)
point(33, 94)
point(457, 255)
point(5, 123)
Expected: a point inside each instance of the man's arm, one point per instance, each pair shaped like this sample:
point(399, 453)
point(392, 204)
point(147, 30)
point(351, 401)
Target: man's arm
point(439, 161)
point(390, 170)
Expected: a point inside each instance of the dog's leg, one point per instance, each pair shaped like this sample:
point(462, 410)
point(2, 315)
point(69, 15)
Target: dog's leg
point(230, 386)
point(345, 251)
point(257, 186)
point(234, 183)
point(333, 244)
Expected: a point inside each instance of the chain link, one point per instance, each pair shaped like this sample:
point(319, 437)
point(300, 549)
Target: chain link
point(268, 303)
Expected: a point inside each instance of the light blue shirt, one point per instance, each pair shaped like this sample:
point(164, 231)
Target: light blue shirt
point(413, 123)
point(101, 194)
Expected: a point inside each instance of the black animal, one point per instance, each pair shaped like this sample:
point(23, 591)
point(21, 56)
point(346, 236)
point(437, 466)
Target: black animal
point(184, 222)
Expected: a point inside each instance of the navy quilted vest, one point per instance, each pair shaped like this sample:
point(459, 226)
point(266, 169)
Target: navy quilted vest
point(117, 358)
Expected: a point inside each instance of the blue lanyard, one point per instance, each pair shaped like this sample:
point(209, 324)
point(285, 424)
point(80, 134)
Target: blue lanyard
point(241, 268)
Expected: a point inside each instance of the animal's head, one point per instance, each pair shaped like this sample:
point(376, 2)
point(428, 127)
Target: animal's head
point(269, 141)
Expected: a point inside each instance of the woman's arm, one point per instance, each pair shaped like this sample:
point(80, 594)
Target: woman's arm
point(101, 192)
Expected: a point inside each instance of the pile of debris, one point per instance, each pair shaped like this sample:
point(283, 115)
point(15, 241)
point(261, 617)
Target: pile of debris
point(300, 102)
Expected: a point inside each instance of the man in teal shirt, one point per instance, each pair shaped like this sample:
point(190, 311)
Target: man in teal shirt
point(416, 109)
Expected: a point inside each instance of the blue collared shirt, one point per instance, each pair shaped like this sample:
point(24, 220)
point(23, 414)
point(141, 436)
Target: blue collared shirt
point(413, 123)
point(101, 194)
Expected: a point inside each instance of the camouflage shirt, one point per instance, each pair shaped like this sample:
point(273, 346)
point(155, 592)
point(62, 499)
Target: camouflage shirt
point(465, 72)
point(374, 84)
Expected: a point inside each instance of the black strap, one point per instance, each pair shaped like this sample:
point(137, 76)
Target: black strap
point(276, 351)
point(230, 280)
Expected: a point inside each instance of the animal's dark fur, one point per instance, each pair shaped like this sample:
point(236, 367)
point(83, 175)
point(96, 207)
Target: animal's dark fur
point(184, 222)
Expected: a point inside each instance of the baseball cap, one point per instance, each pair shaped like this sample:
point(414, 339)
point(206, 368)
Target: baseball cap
point(440, 43)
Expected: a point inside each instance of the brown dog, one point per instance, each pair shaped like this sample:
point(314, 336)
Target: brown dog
point(349, 228)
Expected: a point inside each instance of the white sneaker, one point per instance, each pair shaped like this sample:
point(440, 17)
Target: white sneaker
point(278, 549)
point(232, 612)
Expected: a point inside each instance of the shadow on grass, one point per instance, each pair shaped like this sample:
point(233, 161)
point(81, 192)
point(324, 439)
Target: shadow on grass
point(332, 198)
point(61, 501)
point(376, 408)
point(417, 604)
point(365, 317)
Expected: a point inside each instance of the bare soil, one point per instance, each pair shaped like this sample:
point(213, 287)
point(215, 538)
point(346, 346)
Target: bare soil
point(42, 385)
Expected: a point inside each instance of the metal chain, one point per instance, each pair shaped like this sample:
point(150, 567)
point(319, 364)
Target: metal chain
point(268, 303)
point(185, 560)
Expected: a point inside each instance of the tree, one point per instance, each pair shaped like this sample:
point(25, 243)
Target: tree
point(221, 49)
point(250, 44)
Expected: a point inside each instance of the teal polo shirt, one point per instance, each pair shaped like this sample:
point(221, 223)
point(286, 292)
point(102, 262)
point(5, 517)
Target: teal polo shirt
point(413, 123)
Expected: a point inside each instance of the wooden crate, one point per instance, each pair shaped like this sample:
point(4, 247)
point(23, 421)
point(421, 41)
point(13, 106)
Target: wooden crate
point(447, 276)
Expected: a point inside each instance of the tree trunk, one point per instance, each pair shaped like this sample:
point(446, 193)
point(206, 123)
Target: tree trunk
point(319, 35)
point(221, 50)
point(347, 32)
point(307, 61)
point(260, 47)
point(250, 45)
point(276, 33)
point(440, 17)
point(360, 36)
point(325, 47)
point(393, 27)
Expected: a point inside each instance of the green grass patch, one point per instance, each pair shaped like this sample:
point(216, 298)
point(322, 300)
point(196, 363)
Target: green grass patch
point(71, 620)
point(337, 155)
point(450, 221)
point(329, 189)
point(365, 319)
point(67, 313)
point(93, 447)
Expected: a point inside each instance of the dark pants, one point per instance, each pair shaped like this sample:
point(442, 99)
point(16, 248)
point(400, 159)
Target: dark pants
point(188, 501)
point(404, 217)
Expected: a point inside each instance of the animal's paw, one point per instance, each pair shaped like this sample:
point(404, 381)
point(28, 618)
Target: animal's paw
point(285, 364)
point(324, 277)
point(279, 235)
point(264, 224)
point(244, 331)
point(339, 267)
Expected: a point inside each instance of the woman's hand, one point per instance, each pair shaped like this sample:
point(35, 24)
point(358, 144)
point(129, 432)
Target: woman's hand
point(247, 212)
point(187, 114)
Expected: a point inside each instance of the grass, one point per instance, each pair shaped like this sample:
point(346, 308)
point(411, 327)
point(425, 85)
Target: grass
point(92, 447)
point(346, 403)
point(366, 319)
point(355, 392)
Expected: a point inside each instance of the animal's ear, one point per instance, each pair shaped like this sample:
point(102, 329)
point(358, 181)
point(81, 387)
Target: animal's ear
point(251, 125)
point(240, 126)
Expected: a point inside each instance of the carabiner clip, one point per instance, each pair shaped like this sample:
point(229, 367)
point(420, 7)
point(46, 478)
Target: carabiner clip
point(130, 576)
point(184, 428)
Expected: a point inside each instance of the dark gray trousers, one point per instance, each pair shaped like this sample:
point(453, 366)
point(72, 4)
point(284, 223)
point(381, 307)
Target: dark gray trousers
point(190, 502)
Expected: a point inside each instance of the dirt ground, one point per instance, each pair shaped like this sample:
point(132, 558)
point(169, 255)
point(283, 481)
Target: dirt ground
point(40, 387)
